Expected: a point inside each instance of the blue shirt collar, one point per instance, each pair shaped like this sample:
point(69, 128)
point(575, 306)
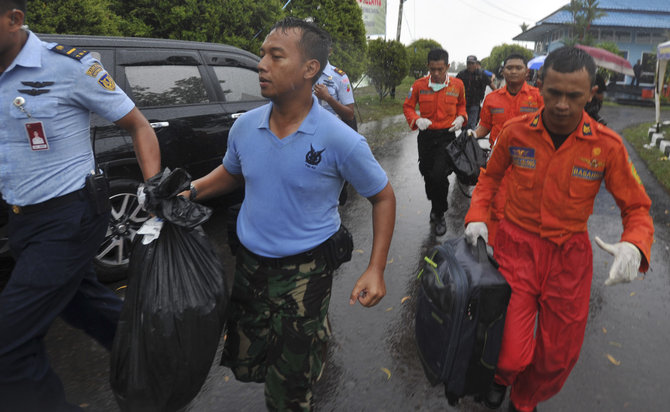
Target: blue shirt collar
point(308, 126)
point(30, 55)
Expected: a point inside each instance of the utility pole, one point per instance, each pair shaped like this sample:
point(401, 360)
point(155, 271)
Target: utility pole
point(397, 36)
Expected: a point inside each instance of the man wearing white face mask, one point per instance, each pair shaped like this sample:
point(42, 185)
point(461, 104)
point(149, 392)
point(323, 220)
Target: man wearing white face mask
point(441, 102)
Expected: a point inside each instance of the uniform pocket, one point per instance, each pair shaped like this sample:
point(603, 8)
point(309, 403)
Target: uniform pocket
point(36, 107)
point(426, 105)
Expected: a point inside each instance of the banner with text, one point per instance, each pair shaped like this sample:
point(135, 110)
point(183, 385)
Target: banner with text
point(374, 16)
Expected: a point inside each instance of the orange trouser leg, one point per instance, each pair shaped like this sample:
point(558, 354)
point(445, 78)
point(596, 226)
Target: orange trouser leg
point(497, 211)
point(551, 283)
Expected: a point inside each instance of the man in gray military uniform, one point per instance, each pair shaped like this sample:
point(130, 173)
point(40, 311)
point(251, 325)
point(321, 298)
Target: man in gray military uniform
point(335, 94)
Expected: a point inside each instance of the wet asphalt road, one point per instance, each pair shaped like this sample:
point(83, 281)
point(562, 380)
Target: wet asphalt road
point(630, 323)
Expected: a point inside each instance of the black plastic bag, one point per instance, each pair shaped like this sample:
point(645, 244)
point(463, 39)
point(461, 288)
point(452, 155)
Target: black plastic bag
point(173, 314)
point(466, 157)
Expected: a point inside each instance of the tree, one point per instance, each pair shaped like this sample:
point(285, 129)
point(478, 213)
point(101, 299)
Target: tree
point(388, 65)
point(498, 54)
point(417, 53)
point(524, 27)
point(343, 20)
point(73, 17)
point(237, 22)
point(584, 12)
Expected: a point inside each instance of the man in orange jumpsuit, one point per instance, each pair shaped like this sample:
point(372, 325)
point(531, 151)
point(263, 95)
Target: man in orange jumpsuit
point(515, 99)
point(441, 102)
point(557, 160)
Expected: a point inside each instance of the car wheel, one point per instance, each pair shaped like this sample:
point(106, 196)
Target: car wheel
point(126, 218)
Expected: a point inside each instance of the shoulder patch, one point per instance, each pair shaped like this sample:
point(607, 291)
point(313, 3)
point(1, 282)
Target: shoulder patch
point(68, 51)
point(339, 71)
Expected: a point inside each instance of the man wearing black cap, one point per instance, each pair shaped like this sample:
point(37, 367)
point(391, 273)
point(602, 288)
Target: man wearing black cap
point(475, 82)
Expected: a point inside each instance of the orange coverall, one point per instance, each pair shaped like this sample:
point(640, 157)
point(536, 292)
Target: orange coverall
point(440, 107)
point(542, 244)
point(499, 107)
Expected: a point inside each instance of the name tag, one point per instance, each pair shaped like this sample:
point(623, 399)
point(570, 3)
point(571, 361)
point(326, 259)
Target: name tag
point(36, 136)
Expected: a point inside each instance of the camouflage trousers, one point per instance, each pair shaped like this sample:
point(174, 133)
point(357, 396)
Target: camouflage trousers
point(277, 328)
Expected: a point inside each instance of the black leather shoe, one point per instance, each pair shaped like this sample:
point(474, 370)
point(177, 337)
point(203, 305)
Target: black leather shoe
point(495, 396)
point(439, 225)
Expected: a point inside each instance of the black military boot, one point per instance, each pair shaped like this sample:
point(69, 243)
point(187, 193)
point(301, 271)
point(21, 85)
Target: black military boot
point(495, 395)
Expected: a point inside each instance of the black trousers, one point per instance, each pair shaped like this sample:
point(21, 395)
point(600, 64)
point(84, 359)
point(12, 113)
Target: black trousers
point(53, 277)
point(435, 167)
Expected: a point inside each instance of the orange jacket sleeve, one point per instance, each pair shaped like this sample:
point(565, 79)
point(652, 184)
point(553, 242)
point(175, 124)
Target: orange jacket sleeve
point(623, 182)
point(409, 106)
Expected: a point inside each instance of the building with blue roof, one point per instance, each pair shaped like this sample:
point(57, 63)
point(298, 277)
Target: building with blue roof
point(636, 27)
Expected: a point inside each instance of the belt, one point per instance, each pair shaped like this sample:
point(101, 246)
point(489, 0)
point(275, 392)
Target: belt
point(298, 259)
point(48, 204)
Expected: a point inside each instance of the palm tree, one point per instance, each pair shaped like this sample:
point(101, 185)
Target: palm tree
point(584, 13)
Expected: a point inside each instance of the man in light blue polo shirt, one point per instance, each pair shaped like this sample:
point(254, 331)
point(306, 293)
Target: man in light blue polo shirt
point(47, 92)
point(294, 157)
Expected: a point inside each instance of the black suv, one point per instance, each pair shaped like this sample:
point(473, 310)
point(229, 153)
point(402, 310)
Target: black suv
point(190, 92)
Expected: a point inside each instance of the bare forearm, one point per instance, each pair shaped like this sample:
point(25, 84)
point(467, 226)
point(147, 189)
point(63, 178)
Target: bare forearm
point(383, 223)
point(346, 112)
point(145, 142)
point(217, 182)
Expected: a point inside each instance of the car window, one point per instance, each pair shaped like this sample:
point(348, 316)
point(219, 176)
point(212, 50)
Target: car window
point(166, 85)
point(238, 83)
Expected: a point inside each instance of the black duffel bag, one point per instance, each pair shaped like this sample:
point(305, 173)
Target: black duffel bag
point(466, 158)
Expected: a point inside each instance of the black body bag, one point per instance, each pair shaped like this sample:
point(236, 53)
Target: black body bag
point(174, 310)
point(466, 158)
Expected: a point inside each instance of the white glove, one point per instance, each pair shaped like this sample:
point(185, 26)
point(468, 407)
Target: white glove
point(457, 124)
point(471, 133)
point(626, 261)
point(422, 123)
point(474, 230)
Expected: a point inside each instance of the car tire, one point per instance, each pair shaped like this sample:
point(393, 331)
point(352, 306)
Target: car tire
point(111, 261)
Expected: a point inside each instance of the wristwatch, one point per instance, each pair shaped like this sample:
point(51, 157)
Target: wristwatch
point(194, 192)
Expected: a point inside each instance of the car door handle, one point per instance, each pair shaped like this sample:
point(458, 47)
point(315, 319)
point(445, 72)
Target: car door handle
point(158, 125)
point(235, 115)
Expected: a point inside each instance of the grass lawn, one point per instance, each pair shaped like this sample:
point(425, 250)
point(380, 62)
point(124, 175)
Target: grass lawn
point(653, 158)
point(368, 106)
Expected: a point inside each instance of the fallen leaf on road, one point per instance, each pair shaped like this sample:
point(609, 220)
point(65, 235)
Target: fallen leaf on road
point(617, 344)
point(121, 287)
point(84, 405)
point(389, 309)
point(387, 372)
point(390, 261)
point(226, 378)
point(359, 251)
point(604, 330)
point(614, 361)
point(632, 293)
point(404, 299)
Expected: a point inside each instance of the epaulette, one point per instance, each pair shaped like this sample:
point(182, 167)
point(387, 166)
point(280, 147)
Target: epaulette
point(339, 71)
point(68, 51)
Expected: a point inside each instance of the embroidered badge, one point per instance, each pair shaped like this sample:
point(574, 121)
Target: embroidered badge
point(313, 157)
point(523, 157)
point(528, 109)
point(33, 92)
point(596, 151)
point(94, 70)
point(409, 95)
point(594, 163)
point(498, 110)
point(107, 82)
point(586, 174)
point(586, 129)
point(37, 85)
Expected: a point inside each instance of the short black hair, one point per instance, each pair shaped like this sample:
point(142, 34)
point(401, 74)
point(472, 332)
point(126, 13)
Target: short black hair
point(6, 5)
point(569, 59)
point(314, 41)
point(437, 55)
point(515, 56)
